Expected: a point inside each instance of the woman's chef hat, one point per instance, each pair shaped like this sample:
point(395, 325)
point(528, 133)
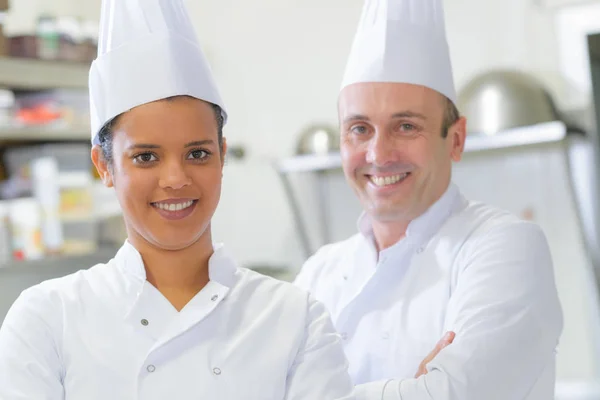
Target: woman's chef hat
point(147, 51)
point(402, 41)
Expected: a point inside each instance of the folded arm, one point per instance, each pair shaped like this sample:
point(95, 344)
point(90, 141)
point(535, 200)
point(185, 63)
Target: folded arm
point(507, 319)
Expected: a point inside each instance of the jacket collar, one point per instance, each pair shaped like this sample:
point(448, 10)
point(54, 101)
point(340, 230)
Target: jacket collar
point(427, 224)
point(221, 266)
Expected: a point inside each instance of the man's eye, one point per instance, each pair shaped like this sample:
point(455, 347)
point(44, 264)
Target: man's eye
point(359, 129)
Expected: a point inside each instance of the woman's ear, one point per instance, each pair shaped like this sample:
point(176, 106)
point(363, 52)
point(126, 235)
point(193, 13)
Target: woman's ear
point(102, 166)
point(224, 152)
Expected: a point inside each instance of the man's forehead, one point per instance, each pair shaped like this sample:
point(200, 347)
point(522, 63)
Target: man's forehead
point(389, 99)
point(384, 89)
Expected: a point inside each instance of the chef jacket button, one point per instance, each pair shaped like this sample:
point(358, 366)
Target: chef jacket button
point(217, 371)
point(344, 336)
point(151, 368)
point(385, 335)
point(420, 249)
point(144, 322)
point(215, 297)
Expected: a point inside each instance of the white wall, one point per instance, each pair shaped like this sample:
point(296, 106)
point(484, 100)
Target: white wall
point(480, 39)
point(278, 64)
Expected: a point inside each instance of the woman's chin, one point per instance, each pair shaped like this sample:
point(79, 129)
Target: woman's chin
point(176, 241)
point(172, 244)
point(168, 237)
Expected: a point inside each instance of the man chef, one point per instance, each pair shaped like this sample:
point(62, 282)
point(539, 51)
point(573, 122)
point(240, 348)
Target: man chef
point(427, 261)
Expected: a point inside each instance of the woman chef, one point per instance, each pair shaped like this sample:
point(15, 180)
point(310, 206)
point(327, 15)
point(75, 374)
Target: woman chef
point(171, 316)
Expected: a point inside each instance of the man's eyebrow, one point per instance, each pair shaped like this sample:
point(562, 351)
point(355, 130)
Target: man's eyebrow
point(356, 117)
point(409, 114)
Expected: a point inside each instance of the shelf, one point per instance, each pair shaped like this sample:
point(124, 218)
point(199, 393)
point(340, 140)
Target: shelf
point(577, 390)
point(58, 262)
point(44, 134)
point(33, 74)
point(548, 132)
point(106, 203)
point(552, 4)
point(19, 275)
point(310, 163)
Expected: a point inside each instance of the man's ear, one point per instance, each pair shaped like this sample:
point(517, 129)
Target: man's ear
point(102, 166)
point(457, 135)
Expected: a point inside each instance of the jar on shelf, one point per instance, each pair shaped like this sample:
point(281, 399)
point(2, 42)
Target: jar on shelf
point(26, 229)
point(48, 38)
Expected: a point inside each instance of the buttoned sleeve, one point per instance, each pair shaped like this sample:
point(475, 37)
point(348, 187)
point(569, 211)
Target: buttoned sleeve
point(30, 364)
point(320, 368)
point(507, 318)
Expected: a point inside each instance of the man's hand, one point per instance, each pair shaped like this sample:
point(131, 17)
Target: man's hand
point(445, 341)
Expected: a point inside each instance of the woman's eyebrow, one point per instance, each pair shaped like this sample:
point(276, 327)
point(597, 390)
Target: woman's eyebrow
point(200, 143)
point(143, 146)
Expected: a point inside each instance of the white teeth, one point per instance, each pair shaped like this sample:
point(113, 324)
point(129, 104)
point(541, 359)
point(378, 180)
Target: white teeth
point(174, 207)
point(387, 180)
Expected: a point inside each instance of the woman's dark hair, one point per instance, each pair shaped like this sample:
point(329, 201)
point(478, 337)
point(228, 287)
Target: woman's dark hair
point(105, 136)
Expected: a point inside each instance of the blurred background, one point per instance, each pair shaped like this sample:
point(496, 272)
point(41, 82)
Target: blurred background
point(528, 77)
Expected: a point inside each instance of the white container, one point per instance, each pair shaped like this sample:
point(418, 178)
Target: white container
point(26, 227)
point(46, 189)
point(80, 229)
point(5, 235)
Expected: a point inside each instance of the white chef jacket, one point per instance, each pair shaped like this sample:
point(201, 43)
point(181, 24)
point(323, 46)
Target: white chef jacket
point(463, 267)
point(106, 333)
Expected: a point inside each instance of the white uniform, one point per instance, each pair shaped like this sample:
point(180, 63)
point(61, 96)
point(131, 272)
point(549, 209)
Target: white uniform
point(106, 333)
point(465, 267)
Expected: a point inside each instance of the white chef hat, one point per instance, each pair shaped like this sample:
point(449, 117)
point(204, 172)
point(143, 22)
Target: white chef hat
point(402, 41)
point(147, 51)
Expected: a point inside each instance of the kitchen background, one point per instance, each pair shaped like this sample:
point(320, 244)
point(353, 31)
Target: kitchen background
point(527, 72)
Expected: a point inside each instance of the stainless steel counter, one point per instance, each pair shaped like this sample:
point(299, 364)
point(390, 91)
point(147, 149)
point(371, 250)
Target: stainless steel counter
point(19, 276)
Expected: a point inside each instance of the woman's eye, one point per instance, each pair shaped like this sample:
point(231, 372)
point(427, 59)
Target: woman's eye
point(199, 154)
point(144, 158)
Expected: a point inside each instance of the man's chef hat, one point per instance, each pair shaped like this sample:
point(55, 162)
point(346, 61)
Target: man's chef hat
point(147, 51)
point(402, 41)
